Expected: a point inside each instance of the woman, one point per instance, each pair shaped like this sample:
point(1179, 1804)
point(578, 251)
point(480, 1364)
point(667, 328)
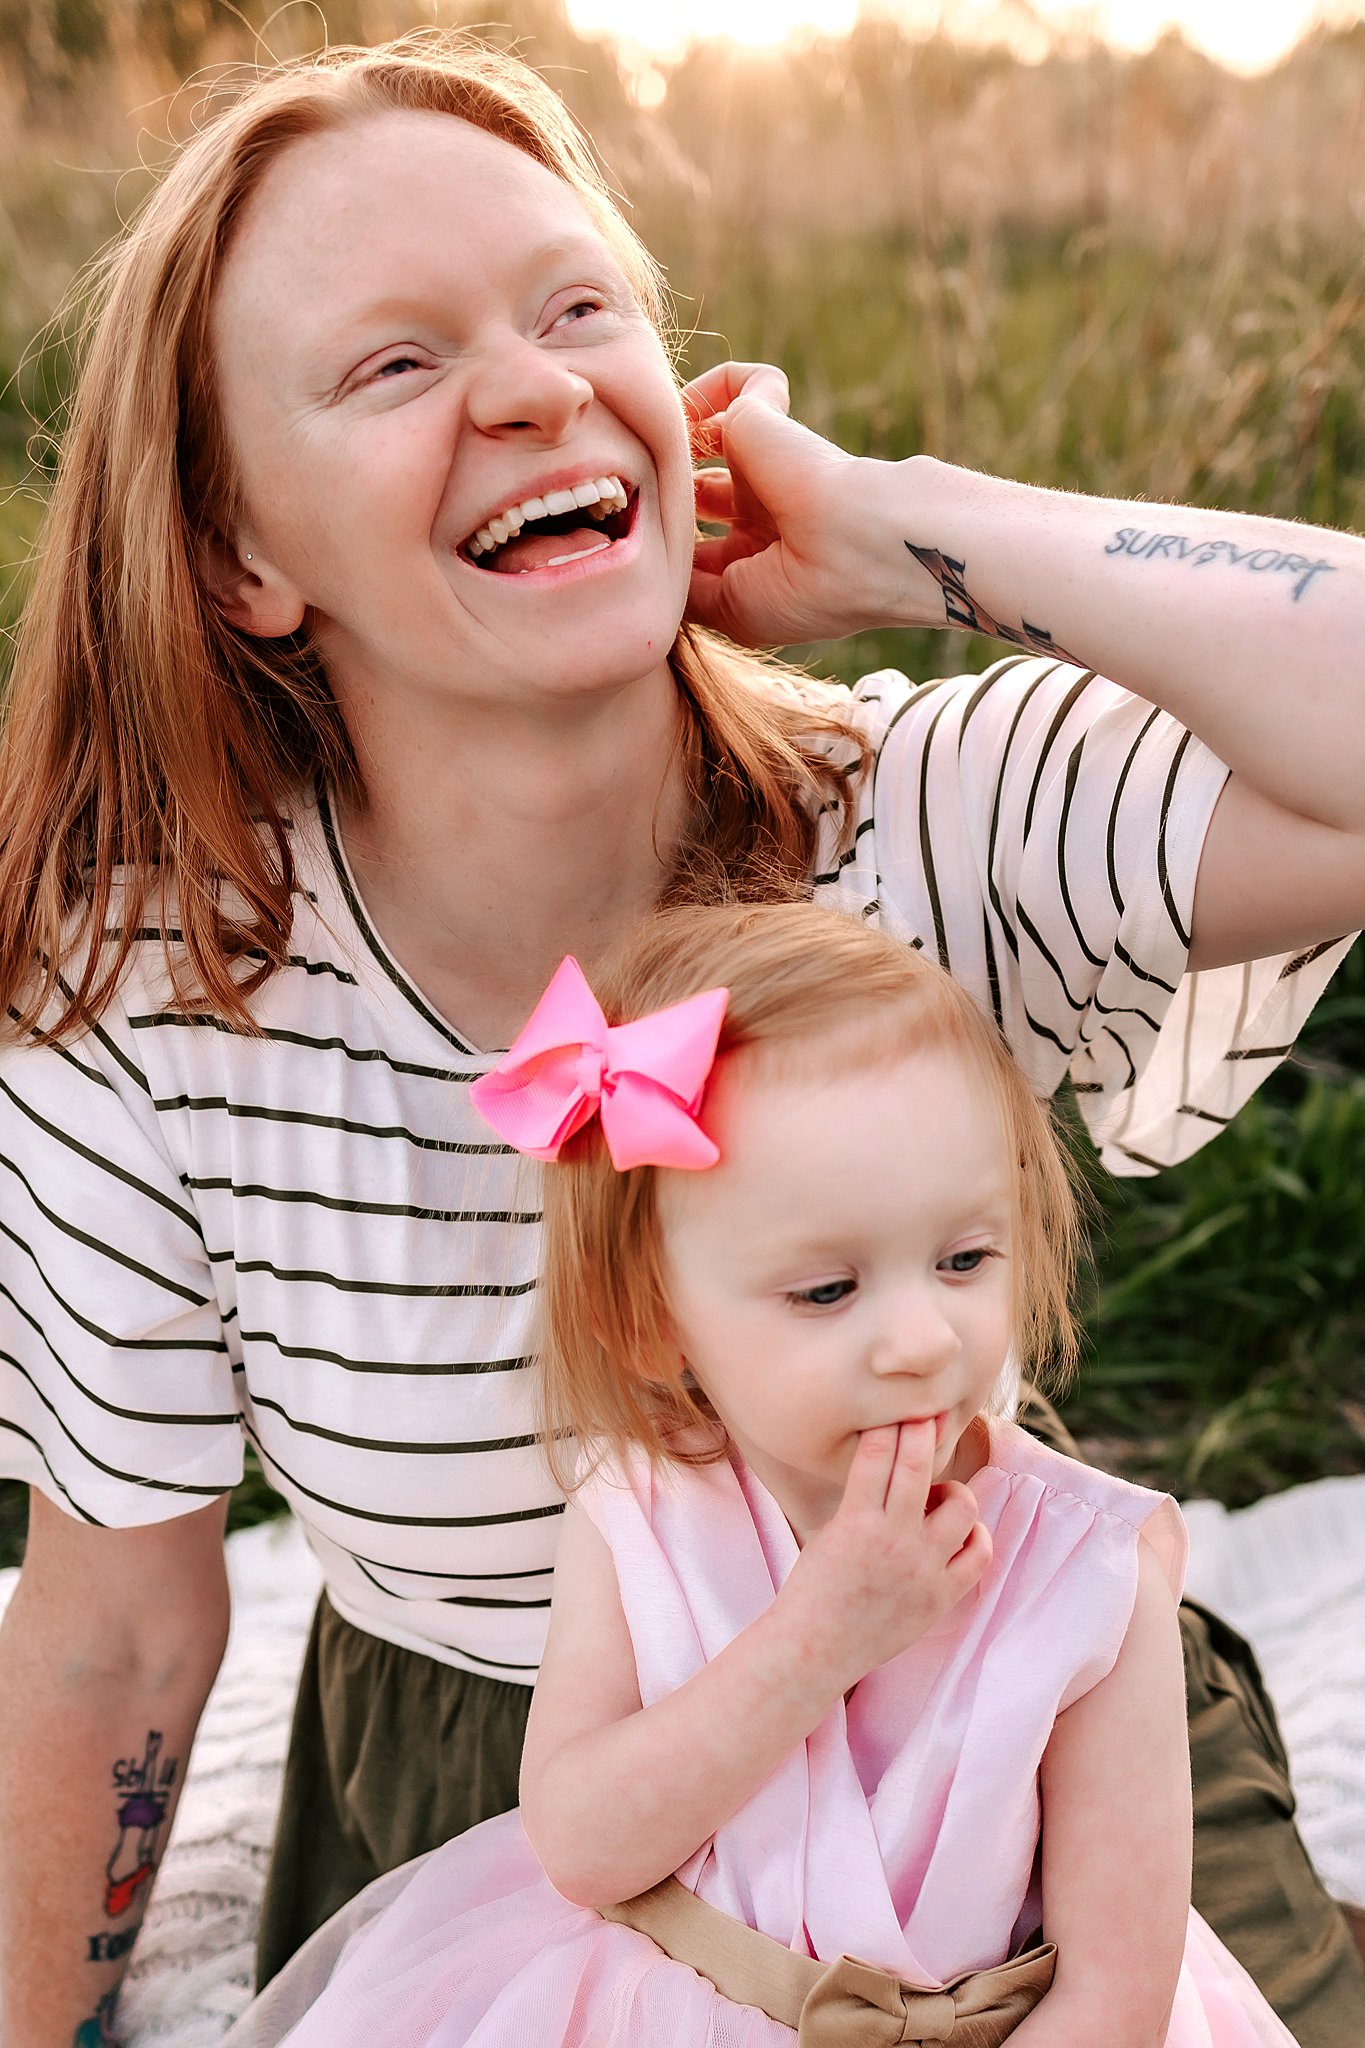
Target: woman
point(306, 788)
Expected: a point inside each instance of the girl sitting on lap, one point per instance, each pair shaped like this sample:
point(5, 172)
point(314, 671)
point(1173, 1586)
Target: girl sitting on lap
point(830, 1640)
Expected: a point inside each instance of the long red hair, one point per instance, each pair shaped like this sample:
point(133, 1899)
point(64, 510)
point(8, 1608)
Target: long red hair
point(150, 749)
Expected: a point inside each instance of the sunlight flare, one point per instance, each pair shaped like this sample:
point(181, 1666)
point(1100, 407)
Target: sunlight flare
point(1245, 37)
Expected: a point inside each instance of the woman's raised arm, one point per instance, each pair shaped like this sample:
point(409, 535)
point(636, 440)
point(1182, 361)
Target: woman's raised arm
point(1247, 630)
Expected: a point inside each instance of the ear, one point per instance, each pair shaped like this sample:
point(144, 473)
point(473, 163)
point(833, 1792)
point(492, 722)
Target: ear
point(249, 593)
point(668, 1370)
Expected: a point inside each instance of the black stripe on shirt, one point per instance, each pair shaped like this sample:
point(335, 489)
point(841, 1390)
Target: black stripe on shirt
point(277, 1035)
point(371, 938)
point(1011, 939)
point(112, 1471)
point(326, 1123)
point(846, 858)
point(341, 1507)
point(417, 1369)
point(428, 1290)
point(223, 1184)
point(1193, 1109)
point(450, 1599)
point(1124, 1010)
point(64, 1052)
point(16, 1429)
point(1073, 769)
point(92, 1158)
point(992, 971)
point(95, 1244)
point(1162, 870)
point(1121, 953)
point(417, 1571)
point(107, 1337)
point(1131, 1081)
point(1042, 1031)
point(926, 847)
point(1142, 1158)
point(1026, 924)
point(1059, 718)
point(1302, 960)
point(393, 1444)
point(157, 1415)
point(297, 960)
point(1111, 830)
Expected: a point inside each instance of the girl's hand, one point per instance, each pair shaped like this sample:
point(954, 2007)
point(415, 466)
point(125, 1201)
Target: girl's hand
point(804, 557)
point(897, 1554)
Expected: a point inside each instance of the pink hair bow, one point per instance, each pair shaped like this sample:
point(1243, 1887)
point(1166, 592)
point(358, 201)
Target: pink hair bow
point(644, 1079)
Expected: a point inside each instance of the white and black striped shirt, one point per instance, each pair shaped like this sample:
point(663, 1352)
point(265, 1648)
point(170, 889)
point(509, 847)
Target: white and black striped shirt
point(309, 1239)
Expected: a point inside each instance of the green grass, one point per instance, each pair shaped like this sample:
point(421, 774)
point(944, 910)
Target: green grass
point(1094, 331)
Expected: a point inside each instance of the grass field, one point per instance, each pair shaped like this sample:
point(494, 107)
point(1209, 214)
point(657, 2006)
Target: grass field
point(1141, 277)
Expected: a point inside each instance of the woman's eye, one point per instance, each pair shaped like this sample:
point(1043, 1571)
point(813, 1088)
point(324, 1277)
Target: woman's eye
point(824, 1296)
point(395, 366)
point(577, 311)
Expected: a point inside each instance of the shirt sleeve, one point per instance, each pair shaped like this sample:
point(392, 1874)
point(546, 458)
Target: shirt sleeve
point(1041, 829)
point(116, 1390)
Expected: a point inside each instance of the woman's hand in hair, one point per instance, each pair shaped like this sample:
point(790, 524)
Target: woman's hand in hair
point(801, 555)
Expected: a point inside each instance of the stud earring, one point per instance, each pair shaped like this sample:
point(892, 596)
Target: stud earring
point(249, 558)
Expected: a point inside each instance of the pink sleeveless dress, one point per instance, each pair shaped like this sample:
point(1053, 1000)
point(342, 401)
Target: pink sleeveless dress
point(903, 1831)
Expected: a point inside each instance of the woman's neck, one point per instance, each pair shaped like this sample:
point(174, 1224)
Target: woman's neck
point(488, 847)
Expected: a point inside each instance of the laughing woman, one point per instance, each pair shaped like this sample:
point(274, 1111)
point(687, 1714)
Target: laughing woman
point(353, 692)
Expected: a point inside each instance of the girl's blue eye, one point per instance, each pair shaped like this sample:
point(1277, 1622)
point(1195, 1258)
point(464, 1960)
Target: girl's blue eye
point(969, 1261)
point(825, 1295)
point(398, 363)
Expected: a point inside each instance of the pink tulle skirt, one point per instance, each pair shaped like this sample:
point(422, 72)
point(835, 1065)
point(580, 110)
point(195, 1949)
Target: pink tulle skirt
point(471, 1947)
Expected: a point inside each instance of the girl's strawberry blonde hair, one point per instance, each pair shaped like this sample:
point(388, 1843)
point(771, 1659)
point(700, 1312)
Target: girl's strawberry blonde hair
point(812, 991)
point(149, 746)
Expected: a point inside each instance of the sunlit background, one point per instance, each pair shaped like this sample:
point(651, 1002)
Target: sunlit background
point(1248, 35)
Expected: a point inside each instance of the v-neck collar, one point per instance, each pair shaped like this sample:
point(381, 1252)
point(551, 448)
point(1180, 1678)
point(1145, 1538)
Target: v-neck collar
point(355, 904)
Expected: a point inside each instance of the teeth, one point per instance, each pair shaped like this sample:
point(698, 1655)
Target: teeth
point(600, 499)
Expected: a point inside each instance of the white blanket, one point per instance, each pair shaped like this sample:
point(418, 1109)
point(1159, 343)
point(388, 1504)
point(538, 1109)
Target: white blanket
point(1289, 1572)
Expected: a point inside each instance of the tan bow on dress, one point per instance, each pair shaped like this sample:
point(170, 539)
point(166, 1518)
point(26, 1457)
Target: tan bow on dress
point(847, 2004)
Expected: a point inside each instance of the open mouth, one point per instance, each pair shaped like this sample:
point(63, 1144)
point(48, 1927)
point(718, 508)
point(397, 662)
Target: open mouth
point(550, 532)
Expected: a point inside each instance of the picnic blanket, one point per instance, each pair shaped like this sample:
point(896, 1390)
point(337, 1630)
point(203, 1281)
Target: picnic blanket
point(1289, 1572)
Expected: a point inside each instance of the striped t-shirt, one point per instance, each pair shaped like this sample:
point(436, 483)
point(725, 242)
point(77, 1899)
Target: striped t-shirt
point(308, 1240)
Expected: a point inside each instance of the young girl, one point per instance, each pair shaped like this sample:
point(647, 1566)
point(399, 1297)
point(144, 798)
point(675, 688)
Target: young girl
point(831, 1638)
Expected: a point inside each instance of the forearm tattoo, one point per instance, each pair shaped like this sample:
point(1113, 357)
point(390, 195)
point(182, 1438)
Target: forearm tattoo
point(98, 2030)
point(963, 610)
point(1146, 546)
point(143, 1788)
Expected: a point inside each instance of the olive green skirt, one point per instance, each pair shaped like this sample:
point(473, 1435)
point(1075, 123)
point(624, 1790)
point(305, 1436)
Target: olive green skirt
point(390, 1753)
